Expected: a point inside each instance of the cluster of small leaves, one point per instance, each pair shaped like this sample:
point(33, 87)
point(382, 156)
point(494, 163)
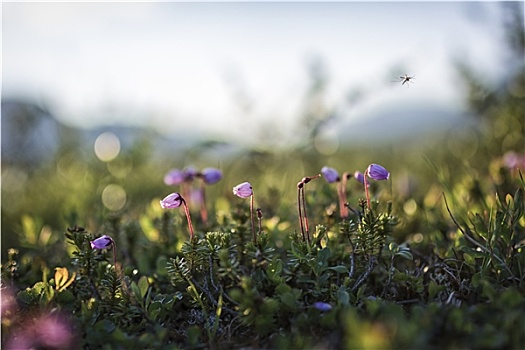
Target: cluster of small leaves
point(233, 282)
point(490, 251)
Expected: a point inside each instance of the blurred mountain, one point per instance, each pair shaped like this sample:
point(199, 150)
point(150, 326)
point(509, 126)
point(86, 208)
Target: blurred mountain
point(31, 135)
point(399, 123)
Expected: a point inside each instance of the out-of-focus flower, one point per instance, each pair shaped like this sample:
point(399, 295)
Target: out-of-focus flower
point(330, 174)
point(46, 332)
point(102, 242)
point(211, 175)
point(189, 173)
point(513, 160)
point(7, 303)
point(359, 177)
point(174, 177)
point(321, 306)
point(243, 190)
point(377, 172)
point(172, 200)
point(196, 196)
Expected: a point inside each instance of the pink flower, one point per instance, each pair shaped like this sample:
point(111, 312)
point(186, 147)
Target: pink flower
point(102, 242)
point(174, 177)
point(171, 201)
point(45, 332)
point(243, 190)
point(377, 172)
point(211, 175)
point(330, 174)
point(513, 160)
point(359, 177)
point(175, 200)
point(189, 173)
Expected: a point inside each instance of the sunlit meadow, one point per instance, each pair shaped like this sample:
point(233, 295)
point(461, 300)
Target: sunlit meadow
point(416, 244)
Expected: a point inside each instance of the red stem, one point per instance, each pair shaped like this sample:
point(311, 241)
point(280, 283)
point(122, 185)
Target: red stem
point(305, 217)
point(341, 191)
point(299, 202)
point(204, 210)
point(251, 218)
point(188, 217)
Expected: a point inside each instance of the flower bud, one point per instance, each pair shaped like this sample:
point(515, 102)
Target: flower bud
point(243, 190)
point(174, 177)
point(359, 177)
point(189, 174)
point(377, 172)
point(330, 174)
point(211, 175)
point(102, 242)
point(173, 200)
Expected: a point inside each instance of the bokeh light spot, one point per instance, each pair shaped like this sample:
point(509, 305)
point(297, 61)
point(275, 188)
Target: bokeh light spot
point(410, 207)
point(107, 146)
point(114, 197)
point(417, 238)
point(13, 179)
point(327, 143)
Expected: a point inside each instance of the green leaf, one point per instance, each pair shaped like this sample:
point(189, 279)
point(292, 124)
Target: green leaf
point(143, 285)
point(323, 255)
point(274, 271)
point(154, 309)
point(289, 300)
point(469, 259)
point(65, 297)
point(283, 288)
point(296, 251)
point(405, 254)
point(433, 290)
point(27, 297)
point(339, 269)
point(472, 253)
point(342, 296)
point(476, 279)
point(136, 291)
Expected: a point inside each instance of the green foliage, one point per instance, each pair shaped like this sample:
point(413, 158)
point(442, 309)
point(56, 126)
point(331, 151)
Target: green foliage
point(223, 290)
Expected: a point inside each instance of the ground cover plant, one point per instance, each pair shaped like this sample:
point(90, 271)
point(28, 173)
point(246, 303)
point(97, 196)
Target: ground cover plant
point(339, 280)
point(419, 245)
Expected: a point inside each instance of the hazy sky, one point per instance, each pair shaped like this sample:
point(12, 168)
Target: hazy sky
point(229, 68)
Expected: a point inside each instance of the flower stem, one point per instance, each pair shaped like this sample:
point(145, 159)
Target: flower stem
point(259, 219)
point(251, 218)
point(341, 192)
point(365, 181)
point(300, 186)
point(188, 217)
point(301, 201)
point(114, 254)
point(204, 210)
point(305, 217)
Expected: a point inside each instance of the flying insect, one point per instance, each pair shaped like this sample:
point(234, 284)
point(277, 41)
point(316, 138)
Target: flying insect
point(406, 79)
